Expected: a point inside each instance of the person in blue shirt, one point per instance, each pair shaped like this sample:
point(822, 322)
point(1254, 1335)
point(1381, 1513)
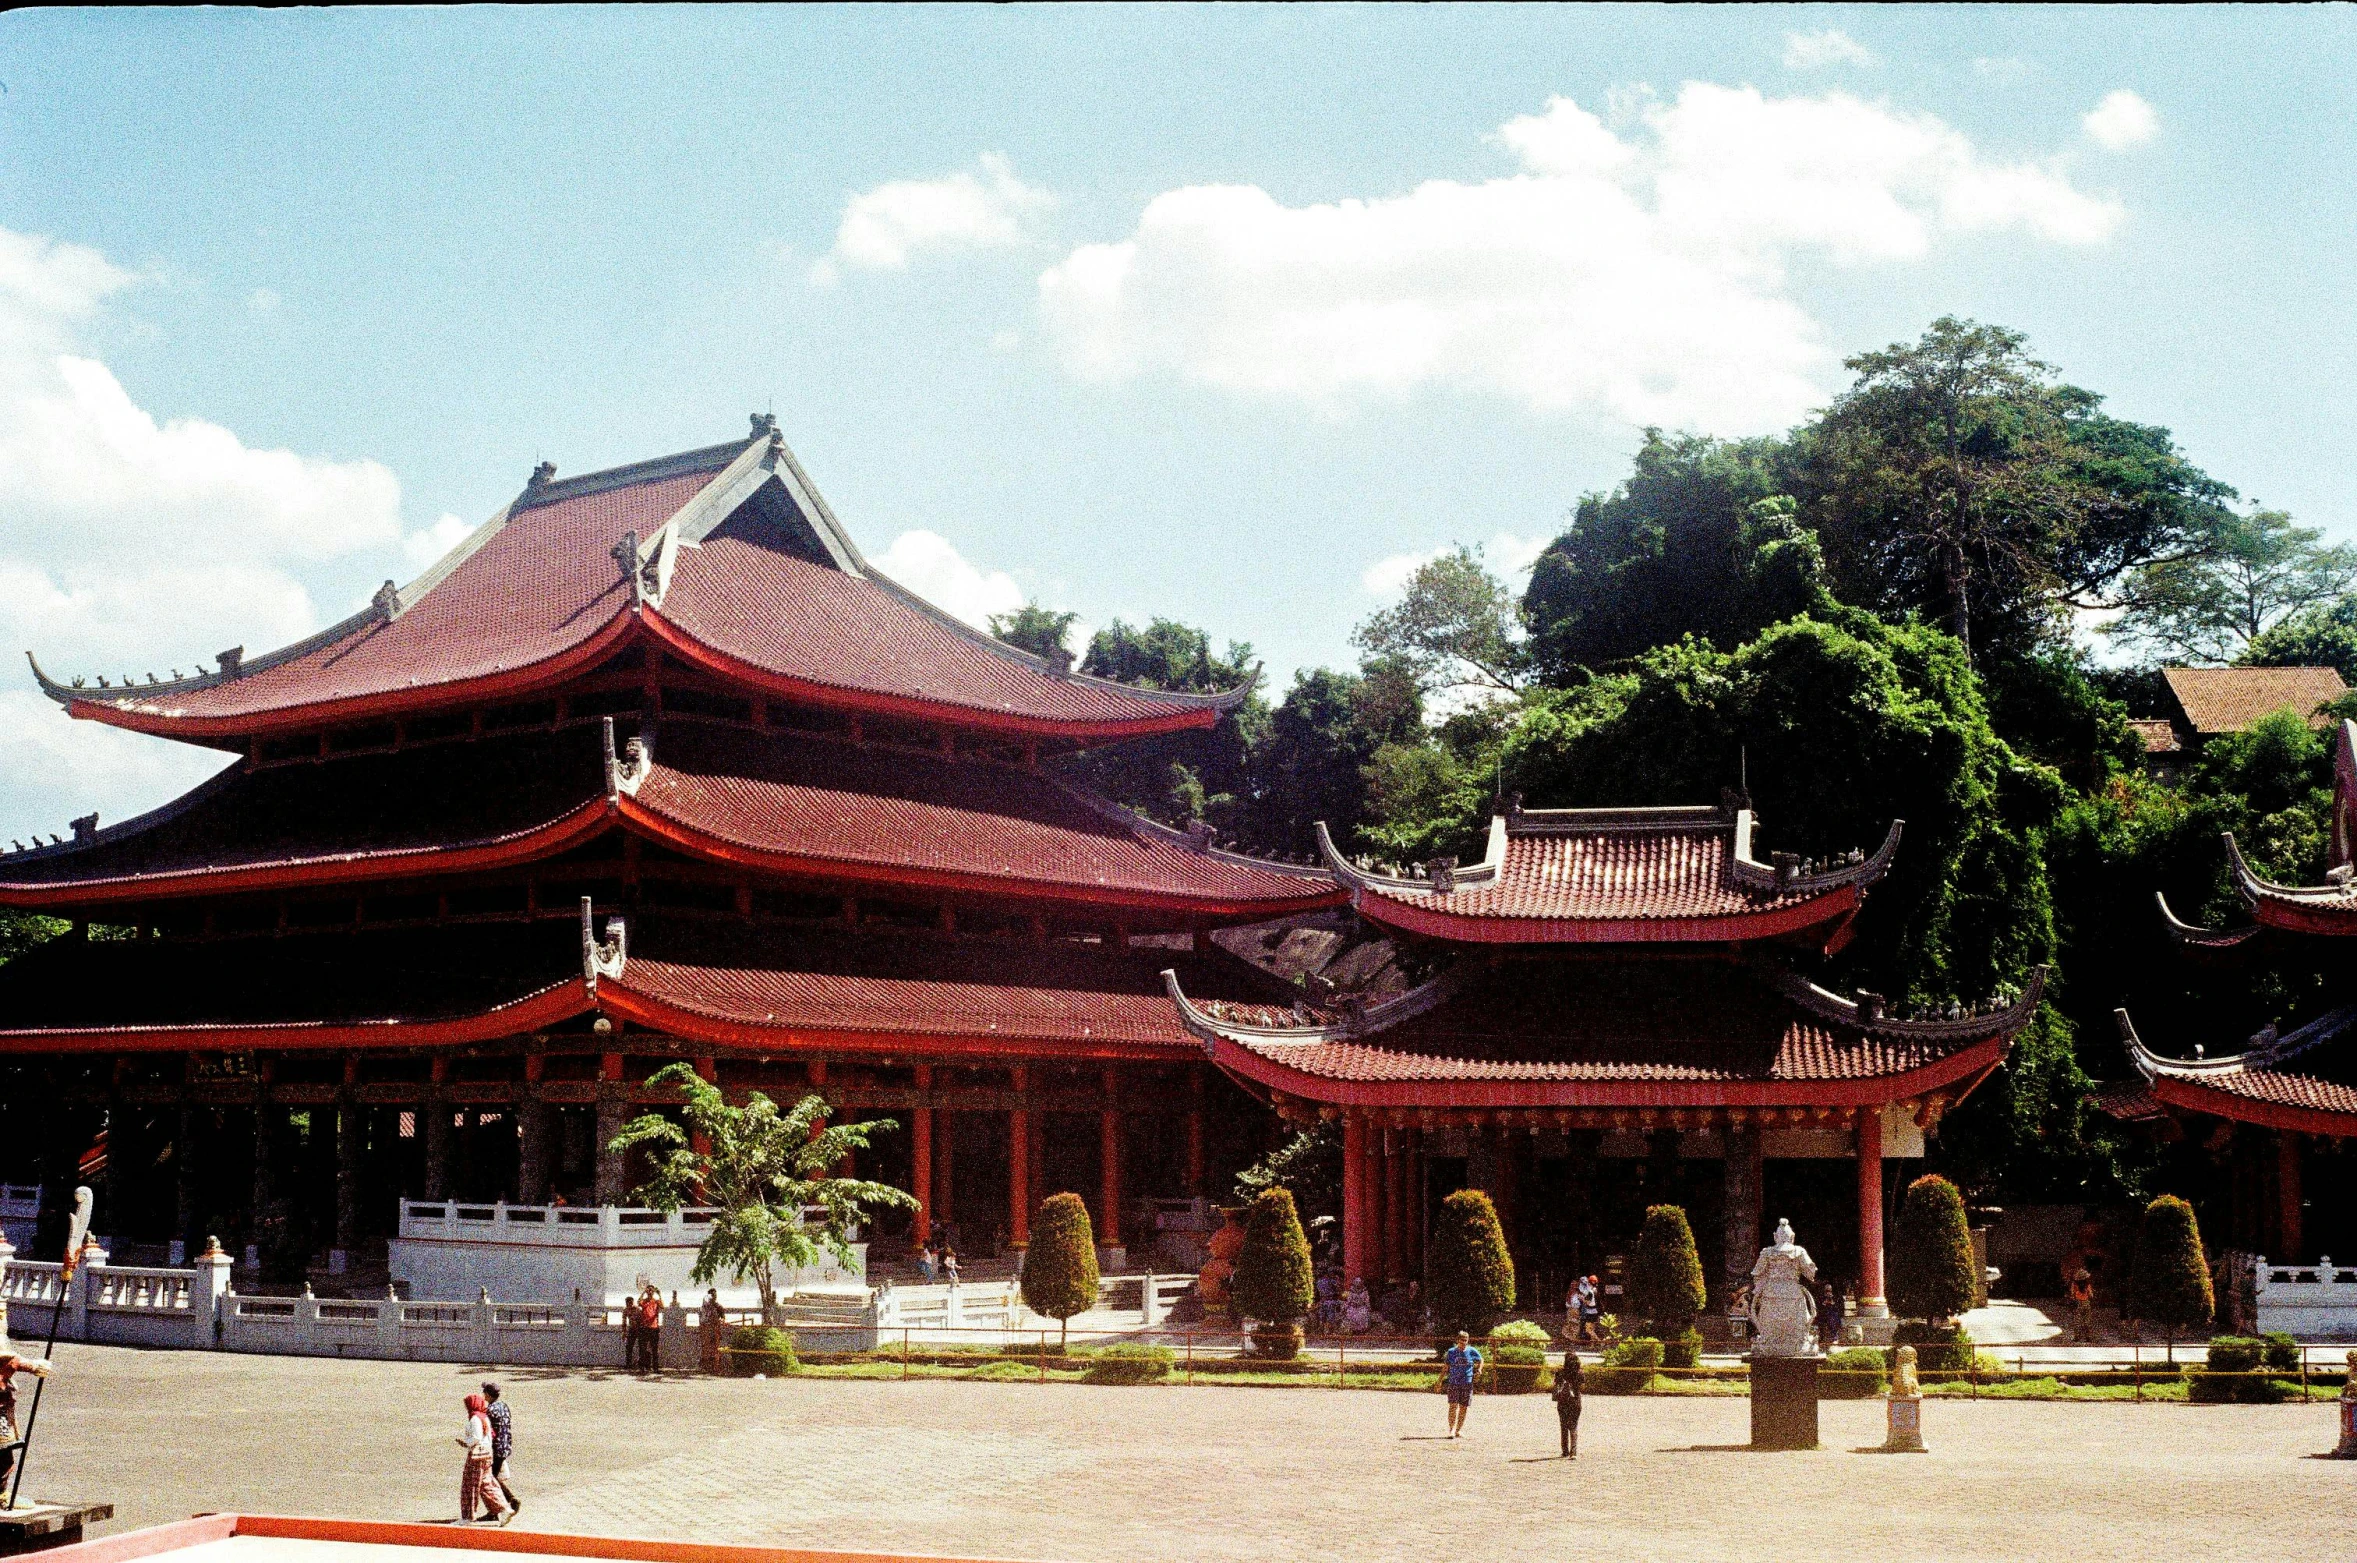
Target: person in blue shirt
point(1463, 1366)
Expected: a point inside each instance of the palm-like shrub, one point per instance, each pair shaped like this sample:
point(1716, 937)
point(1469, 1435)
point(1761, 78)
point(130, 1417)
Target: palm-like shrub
point(1468, 1275)
point(1274, 1284)
point(1665, 1287)
point(1060, 1271)
point(2170, 1285)
point(1931, 1253)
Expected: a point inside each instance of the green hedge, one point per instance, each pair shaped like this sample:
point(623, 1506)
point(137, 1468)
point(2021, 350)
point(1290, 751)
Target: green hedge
point(758, 1349)
point(1939, 1348)
point(1518, 1357)
point(2230, 1372)
point(1130, 1363)
point(1856, 1373)
point(1630, 1367)
point(1683, 1350)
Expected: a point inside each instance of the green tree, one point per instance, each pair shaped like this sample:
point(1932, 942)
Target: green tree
point(2170, 1284)
point(2245, 575)
point(2321, 635)
point(1468, 1275)
point(1060, 1268)
point(1308, 1166)
point(1456, 626)
point(1202, 773)
point(1931, 1264)
point(767, 1172)
point(1311, 759)
point(1665, 1286)
point(1274, 1283)
point(1040, 631)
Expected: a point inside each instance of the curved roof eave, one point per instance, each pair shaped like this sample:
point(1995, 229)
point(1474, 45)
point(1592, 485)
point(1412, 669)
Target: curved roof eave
point(548, 1006)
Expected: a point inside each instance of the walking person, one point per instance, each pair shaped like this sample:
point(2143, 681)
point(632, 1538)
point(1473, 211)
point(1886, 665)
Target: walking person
point(1829, 1317)
point(475, 1485)
point(1461, 1367)
point(503, 1444)
point(715, 1328)
point(650, 1331)
point(1591, 1306)
point(1567, 1402)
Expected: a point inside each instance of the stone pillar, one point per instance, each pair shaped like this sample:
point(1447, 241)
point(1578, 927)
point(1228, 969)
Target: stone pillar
point(259, 1195)
point(1354, 1196)
point(1109, 1164)
point(1871, 1303)
point(183, 1188)
point(436, 1113)
point(1194, 1134)
point(920, 1170)
point(2293, 1238)
point(1395, 1202)
point(612, 1103)
point(1740, 1227)
point(1019, 1159)
point(348, 1137)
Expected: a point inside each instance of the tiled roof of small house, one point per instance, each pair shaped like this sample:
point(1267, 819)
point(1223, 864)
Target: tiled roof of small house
point(2227, 700)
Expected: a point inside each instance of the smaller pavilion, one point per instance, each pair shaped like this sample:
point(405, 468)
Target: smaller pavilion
point(1611, 982)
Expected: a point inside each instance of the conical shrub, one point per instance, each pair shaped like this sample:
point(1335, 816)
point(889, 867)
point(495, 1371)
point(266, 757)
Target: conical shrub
point(1931, 1253)
point(1274, 1281)
point(2170, 1285)
point(1665, 1286)
point(1468, 1275)
point(1060, 1271)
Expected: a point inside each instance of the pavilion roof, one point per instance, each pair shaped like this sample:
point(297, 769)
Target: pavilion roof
point(1619, 876)
point(775, 988)
point(778, 802)
point(2227, 700)
point(725, 557)
point(1661, 1033)
point(2303, 1080)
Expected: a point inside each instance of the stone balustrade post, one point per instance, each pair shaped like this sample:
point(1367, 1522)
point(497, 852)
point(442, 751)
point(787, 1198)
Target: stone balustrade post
point(206, 1294)
point(7, 1252)
point(86, 1283)
point(388, 1329)
point(1151, 1301)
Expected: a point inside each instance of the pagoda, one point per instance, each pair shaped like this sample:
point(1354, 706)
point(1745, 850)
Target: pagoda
point(2275, 1106)
point(654, 765)
point(1611, 982)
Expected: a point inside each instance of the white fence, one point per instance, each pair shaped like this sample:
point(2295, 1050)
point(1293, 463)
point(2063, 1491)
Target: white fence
point(2314, 1302)
point(587, 1253)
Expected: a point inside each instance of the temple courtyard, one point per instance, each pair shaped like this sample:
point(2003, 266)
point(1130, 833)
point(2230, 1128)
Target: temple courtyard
point(1092, 1473)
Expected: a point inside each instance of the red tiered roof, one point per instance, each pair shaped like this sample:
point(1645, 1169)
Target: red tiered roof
point(739, 569)
point(701, 979)
point(1618, 876)
point(2304, 1081)
point(1639, 1033)
point(784, 803)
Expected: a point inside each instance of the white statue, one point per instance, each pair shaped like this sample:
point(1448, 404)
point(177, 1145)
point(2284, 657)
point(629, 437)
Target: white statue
point(1783, 1311)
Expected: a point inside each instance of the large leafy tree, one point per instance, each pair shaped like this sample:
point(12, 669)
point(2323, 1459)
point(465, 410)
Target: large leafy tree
point(1311, 761)
point(1176, 777)
point(1456, 626)
point(2247, 574)
point(1040, 631)
point(2322, 635)
point(769, 1172)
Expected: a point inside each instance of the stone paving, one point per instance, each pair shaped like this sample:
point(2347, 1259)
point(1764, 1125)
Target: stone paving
point(1079, 1473)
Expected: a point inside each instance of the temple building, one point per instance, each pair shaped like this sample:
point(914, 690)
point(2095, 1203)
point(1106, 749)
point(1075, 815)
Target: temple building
point(653, 766)
point(2276, 1113)
point(1617, 983)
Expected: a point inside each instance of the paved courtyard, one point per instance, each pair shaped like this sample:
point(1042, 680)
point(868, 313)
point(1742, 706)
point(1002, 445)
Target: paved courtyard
point(1079, 1473)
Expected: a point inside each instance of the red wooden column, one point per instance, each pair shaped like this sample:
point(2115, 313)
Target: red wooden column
point(1109, 1163)
point(1871, 1303)
point(1194, 1134)
point(1395, 1201)
point(1377, 1188)
point(920, 1162)
point(2293, 1239)
point(1354, 1195)
point(1019, 1161)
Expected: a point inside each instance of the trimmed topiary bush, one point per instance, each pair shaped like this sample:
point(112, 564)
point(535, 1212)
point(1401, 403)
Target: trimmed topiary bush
point(757, 1349)
point(1468, 1275)
point(1665, 1287)
point(1518, 1357)
point(2230, 1372)
point(1939, 1348)
point(1629, 1368)
point(1274, 1285)
point(2170, 1285)
point(2283, 1351)
point(1855, 1373)
point(1060, 1272)
point(1682, 1350)
point(1931, 1266)
point(1130, 1362)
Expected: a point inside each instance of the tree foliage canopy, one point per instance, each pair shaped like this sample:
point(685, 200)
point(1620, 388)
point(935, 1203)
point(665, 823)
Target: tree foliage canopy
point(2170, 1284)
point(1665, 1286)
point(768, 1172)
point(1456, 626)
point(2245, 575)
point(1274, 1282)
point(1468, 1275)
point(1060, 1267)
point(1931, 1264)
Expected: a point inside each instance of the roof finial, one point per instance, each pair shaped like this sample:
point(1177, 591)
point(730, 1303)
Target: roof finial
point(230, 660)
point(764, 423)
point(541, 475)
point(387, 602)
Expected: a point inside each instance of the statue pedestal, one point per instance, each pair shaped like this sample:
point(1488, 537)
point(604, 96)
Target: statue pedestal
point(2347, 1449)
point(1906, 1426)
point(1784, 1402)
point(37, 1527)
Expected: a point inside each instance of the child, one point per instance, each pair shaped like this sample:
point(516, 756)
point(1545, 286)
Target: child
point(1567, 1403)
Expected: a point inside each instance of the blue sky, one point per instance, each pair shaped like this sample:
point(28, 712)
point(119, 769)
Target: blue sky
point(1222, 314)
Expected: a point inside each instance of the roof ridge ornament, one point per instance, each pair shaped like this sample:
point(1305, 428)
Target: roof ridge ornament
point(387, 603)
point(602, 958)
point(542, 475)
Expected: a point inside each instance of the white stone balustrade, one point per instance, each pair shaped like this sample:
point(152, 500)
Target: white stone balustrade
point(585, 1253)
point(2313, 1301)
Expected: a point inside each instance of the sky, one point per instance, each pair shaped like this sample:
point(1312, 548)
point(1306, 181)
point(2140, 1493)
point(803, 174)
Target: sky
point(1230, 315)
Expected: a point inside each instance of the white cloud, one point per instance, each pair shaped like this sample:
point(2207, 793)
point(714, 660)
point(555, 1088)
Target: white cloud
point(1815, 51)
point(2122, 120)
point(930, 565)
point(882, 228)
point(131, 544)
point(1508, 553)
point(1636, 273)
point(424, 549)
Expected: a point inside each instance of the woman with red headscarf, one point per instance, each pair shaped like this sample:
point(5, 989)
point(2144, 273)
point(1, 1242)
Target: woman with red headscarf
point(475, 1482)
